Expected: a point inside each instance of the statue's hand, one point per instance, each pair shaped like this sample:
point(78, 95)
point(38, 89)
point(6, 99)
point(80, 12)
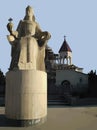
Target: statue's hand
point(45, 36)
point(49, 35)
point(15, 34)
point(10, 38)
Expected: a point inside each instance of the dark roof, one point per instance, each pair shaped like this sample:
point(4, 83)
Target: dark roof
point(65, 47)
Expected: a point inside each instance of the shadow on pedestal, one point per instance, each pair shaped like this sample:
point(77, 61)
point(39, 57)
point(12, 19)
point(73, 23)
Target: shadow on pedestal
point(5, 122)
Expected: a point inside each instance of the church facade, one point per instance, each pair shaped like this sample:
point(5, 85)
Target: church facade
point(64, 78)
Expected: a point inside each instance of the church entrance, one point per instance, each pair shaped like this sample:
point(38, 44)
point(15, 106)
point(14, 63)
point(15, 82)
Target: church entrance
point(66, 86)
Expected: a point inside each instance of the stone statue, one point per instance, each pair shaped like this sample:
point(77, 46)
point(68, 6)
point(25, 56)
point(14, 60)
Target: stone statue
point(28, 43)
point(26, 80)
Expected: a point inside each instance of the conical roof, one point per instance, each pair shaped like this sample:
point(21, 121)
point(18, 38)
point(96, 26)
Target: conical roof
point(65, 47)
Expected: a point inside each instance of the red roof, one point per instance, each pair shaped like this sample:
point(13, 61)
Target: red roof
point(65, 47)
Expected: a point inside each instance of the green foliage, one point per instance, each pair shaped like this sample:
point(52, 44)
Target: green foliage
point(2, 78)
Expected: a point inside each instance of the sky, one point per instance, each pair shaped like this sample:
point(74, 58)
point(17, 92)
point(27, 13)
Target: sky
point(75, 19)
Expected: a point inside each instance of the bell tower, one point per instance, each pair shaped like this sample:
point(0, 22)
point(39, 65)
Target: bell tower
point(65, 53)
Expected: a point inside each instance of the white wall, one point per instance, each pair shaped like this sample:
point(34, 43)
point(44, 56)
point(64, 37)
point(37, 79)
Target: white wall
point(72, 76)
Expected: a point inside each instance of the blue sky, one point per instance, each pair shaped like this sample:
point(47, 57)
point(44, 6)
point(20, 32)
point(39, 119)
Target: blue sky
point(77, 19)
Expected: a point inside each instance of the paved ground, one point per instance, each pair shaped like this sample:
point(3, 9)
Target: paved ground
point(60, 118)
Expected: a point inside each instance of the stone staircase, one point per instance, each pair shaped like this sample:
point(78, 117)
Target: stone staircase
point(57, 102)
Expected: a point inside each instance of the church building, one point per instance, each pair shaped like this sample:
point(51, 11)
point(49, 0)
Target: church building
point(64, 78)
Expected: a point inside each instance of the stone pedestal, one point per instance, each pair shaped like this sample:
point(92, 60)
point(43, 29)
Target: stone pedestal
point(26, 96)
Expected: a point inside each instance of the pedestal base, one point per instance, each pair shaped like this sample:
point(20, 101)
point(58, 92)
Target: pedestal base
point(26, 96)
point(25, 123)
